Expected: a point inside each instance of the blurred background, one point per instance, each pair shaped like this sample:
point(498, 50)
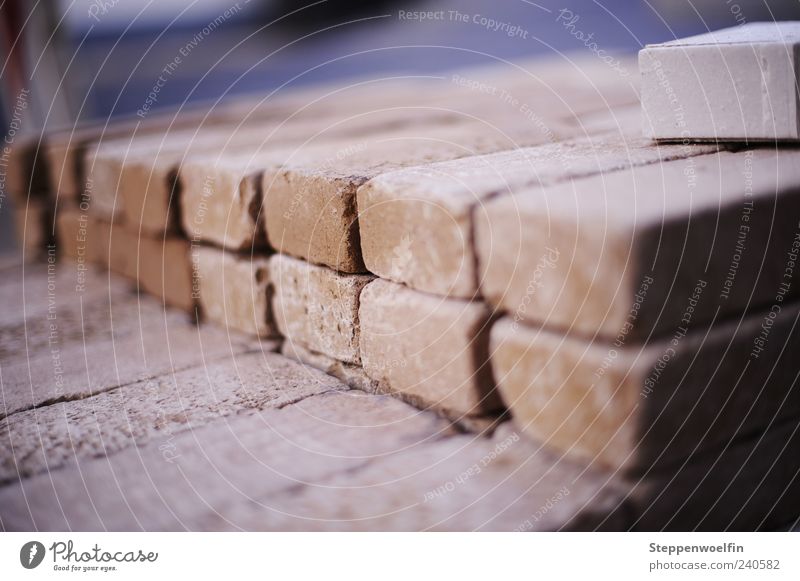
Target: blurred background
point(68, 61)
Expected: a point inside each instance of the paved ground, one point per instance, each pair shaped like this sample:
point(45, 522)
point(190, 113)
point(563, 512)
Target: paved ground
point(118, 415)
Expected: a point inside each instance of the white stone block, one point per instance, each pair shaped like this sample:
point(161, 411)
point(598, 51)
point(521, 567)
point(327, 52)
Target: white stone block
point(733, 84)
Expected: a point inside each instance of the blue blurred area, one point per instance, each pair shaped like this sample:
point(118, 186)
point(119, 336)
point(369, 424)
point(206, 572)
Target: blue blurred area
point(251, 51)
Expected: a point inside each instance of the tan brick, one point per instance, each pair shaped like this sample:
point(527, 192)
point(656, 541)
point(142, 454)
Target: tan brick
point(310, 204)
point(417, 225)
point(74, 234)
point(620, 253)
point(427, 347)
point(164, 270)
point(640, 408)
point(117, 248)
point(317, 307)
point(233, 290)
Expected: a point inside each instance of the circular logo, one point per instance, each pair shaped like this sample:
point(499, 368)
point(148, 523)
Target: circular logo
point(31, 554)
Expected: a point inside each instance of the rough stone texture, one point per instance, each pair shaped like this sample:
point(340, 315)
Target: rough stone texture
point(310, 204)
point(351, 375)
point(317, 307)
point(233, 290)
point(417, 225)
point(427, 347)
point(645, 408)
point(621, 253)
point(213, 473)
point(738, 84)
point(81, 340)
point(45, 439)
point(34, 227)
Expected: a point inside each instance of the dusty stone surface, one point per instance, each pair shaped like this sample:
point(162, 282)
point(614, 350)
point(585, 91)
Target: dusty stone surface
point(351, 375)
point(427, 347)
point(214, 471)
point(461, 483)
point(317, 307)
point(746, 90)
point(310, 204)
point(76, 342)
point(596, 255)
point(648, 408)
point(155, 410)
point(233, 290)
point(418, 225)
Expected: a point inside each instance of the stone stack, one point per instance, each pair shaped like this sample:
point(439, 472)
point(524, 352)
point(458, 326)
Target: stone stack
point(493, 241)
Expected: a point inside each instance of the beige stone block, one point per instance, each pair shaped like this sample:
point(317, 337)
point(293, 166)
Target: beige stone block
point(310, 204)
point(233, 290)
point(75, 235)
point(431, 348)
point(117, 248)
point(640, 408)
point(164, 270)
point(417, 225)
point(317, 307)
point(620, 253)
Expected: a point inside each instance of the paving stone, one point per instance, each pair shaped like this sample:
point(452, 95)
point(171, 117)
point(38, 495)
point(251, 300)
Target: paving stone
point(417, 225)
point(203, 478)
point(164, 270)
point(351, 375)
point(46, 438)
point(317, 307)
point(233, 291)
point(310, 204)
point(639, 408)
point(619, 254)
point(83, 352)
point(734, 84)
point(431, 348)
point(74, 230)
point(459, 483)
